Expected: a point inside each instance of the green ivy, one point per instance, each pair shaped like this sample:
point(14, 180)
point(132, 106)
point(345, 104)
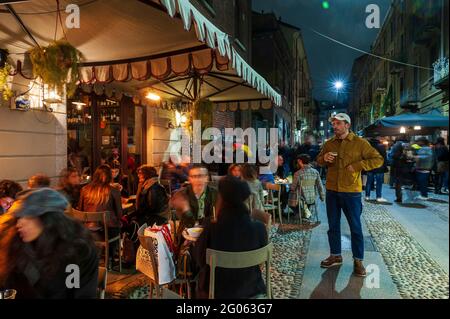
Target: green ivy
point(4, 88)
point(56, 65)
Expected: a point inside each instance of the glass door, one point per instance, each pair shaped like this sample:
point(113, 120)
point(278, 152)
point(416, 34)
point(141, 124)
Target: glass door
point(79, 135)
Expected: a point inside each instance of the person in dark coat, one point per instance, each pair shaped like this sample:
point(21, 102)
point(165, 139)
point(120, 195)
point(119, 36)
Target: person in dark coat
point(201, 197)
point(46, 254)
point(402, 165)
point(441, 155)
point(377, 175)
point(234, 231)
point(152, 201)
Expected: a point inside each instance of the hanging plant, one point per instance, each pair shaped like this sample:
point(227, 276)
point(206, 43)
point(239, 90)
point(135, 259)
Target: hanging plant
point(56, 65)
point(6, 91)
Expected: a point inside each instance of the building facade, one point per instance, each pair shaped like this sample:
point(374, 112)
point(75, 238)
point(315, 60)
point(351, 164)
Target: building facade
point(273, 59)
point(303, 115)
point(412, 73)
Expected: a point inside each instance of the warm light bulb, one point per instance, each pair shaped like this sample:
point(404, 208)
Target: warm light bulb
point(402, 130)
point(417, 128)
point(152, 96)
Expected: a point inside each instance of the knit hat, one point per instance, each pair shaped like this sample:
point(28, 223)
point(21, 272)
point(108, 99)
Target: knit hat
point(39, 201)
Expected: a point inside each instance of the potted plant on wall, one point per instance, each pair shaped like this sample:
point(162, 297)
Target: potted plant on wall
point(202, 110)
point(5, 71)
point(57, 65)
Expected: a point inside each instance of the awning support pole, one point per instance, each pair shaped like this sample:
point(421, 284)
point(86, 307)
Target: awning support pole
point(24, 28)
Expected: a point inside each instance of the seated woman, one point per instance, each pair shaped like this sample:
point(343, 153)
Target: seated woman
point(69, 185)
point(152, 201)
point(38, 243)
point(8, 192)
point(235, 170)
point(250, 175)
point(100, 196)
point(234, 231)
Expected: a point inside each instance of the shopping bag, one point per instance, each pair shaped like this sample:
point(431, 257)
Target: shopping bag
point(163, 255)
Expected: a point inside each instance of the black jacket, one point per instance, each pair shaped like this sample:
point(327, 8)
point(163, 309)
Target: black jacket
point(32, 282)
point(382, 150)
point(152, 201)
point(210, 201)
point(234, 231)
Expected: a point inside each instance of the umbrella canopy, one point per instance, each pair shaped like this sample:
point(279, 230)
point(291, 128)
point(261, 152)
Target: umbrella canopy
point(415, 119)
point(389, 126)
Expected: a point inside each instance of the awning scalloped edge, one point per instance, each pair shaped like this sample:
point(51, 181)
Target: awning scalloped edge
point(208, 33)
point(201, 61)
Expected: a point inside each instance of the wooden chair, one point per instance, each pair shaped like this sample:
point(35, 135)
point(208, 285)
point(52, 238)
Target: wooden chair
point(102, 282)
point(153, 276)
point(99, 217)
point(273, 203)
point(235, 260)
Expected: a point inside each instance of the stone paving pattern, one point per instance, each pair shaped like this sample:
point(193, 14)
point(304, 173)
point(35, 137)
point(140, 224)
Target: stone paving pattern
point(413, 270)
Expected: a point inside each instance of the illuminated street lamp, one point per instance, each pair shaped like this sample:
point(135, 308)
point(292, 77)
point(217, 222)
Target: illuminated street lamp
point(338, 85)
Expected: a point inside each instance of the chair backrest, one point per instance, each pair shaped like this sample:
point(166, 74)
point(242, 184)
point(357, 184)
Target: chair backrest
point(242, 259)
point(85, 217)
point(147, 243)
point(273, 187)
point(102, 217)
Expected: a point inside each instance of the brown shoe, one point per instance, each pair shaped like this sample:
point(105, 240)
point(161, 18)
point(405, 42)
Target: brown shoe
point(331, 261)
point(358, 269)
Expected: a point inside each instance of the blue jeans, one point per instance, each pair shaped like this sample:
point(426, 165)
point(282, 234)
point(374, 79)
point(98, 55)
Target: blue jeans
point(422, 183)
point(379, 179)
point(351, 204)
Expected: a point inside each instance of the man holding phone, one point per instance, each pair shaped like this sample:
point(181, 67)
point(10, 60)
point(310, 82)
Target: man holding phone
point(346, 156)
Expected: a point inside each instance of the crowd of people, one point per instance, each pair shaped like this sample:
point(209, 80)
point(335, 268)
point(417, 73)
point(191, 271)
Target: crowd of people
point(39, 240)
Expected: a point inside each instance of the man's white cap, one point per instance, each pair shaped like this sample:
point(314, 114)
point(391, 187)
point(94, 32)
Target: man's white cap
point(341, 117)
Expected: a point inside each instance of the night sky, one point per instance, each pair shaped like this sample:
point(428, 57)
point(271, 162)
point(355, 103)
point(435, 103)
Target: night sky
point(344, 21)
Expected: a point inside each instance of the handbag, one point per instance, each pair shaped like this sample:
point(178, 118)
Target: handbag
point(305, 209)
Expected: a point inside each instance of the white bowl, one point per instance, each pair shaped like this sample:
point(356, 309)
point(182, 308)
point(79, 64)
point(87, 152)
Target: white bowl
point(194, 231)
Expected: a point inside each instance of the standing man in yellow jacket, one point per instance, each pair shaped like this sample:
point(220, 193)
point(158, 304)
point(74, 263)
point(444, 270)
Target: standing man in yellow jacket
point(345, 156)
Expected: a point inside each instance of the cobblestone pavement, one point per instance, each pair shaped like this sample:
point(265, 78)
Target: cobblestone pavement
point(413, 270)
point(289, 256)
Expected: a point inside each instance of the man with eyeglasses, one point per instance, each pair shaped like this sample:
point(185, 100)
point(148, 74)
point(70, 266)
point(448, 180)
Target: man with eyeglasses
point(200, 196)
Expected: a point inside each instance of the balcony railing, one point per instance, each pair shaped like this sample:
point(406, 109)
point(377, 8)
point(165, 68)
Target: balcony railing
point(441, 72)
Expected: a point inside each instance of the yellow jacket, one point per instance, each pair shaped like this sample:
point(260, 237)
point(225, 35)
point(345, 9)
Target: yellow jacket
point(354, 151)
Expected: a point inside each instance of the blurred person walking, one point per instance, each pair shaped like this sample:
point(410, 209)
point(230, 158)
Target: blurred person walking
point(376, 176)
point(42, 247)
